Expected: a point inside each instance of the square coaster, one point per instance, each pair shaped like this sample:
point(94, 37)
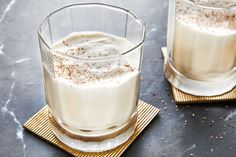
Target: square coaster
point(182, 97)
point(40, 126)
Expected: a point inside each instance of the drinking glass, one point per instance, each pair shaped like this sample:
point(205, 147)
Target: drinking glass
point(98, 114)
point(201, 46)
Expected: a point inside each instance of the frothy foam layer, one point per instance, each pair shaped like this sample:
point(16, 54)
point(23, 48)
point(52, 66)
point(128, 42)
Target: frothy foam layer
point(216, 3)
point(210, 20)
point(91, 45)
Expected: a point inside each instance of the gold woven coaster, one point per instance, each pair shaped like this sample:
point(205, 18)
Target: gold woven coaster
point(182, 97)
point(39, 125)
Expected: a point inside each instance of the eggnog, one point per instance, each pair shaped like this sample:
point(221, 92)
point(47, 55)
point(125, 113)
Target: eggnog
point(201, 39)
point(94, 92)
point(204, 41)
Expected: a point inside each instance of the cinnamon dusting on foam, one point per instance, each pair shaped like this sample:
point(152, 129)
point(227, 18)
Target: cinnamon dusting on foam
point(210, 20)
point(92, 45)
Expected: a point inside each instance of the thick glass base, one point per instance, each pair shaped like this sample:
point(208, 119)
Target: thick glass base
point(93, 143)
point(197, 87)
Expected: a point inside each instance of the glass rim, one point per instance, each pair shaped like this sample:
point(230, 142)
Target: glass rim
point(192, 2)
point(138, 20)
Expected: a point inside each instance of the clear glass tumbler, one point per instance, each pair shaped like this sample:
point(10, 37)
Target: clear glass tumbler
point(201, 43)
point(92, 101)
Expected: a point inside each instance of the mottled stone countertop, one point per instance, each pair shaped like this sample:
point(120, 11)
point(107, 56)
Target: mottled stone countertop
point(178, 131)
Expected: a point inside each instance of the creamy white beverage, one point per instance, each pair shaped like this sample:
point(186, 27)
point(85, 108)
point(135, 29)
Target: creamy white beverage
point(91, 95)
point(204, 45)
